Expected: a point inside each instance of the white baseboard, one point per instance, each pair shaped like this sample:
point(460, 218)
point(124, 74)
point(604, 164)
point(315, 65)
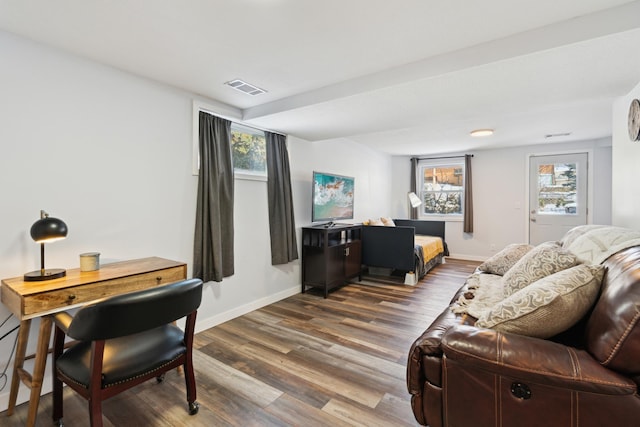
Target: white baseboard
point(468, 257)
point(209, 322)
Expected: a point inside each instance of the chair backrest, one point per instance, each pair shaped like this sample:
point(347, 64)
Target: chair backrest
point(613, 329)
point(135, 312)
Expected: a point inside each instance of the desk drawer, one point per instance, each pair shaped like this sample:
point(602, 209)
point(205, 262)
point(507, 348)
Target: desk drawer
point(79, 295)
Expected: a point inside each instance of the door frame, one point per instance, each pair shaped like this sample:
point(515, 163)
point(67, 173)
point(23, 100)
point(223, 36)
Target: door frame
point(527, 186)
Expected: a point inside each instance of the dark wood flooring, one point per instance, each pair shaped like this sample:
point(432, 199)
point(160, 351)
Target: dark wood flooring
point(303, 361)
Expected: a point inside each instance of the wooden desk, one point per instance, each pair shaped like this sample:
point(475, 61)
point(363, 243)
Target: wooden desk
point(28, 300)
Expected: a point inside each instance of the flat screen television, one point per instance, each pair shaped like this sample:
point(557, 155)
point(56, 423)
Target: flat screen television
point(332, 197)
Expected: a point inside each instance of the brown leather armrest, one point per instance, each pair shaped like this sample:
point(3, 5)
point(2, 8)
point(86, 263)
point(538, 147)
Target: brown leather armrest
point(428, 345)
point(531, 359)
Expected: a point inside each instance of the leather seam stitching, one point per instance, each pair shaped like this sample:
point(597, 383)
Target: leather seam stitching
point(549, 374)
point(627, 331)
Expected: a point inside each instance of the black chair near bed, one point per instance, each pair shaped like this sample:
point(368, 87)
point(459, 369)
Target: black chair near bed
point(123, 341)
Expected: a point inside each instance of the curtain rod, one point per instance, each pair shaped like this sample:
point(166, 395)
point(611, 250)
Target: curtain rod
point(235, 120)
point(445, 157)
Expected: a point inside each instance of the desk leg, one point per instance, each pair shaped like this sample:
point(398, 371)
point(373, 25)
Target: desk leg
point(38, 369)
point(18, 363)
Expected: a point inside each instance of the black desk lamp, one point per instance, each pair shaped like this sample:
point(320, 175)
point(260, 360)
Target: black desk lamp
point(46, 229)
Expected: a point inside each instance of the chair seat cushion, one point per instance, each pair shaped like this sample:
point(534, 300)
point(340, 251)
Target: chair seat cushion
point(125, 358)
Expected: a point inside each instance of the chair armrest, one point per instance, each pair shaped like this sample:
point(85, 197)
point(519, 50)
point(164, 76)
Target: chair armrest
point(62, 320)
point(531, 359)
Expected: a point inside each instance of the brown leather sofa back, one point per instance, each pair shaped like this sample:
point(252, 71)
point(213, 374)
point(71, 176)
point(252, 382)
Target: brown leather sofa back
point(613, 329)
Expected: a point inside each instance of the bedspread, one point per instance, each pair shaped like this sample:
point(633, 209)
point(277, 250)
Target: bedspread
point(431, 246)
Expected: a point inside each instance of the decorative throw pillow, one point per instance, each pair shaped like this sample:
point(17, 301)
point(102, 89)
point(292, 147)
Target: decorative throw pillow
point(375, 221)
point(501, 262)
point(541, 261)
point(388, 222)
point(549, 306)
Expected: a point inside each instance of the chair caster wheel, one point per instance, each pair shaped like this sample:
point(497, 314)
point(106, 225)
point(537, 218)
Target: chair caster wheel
point(194, 407)
point(160, 378)
point(58, 423)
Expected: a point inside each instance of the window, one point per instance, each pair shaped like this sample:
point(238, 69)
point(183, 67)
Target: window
point(248, 151)
point(557, 189)
point(248, 147)
point(441, 187)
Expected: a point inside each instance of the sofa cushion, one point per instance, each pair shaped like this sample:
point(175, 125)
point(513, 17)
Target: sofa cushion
point(548, 306)
point(501, 262)
point(543, 260)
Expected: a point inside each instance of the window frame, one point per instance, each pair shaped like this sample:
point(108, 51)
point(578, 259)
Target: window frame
point(195, 158)
point(450, 162)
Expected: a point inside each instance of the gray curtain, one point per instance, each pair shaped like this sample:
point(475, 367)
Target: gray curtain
point(284, 247)
point(468, 196)
point(213, 242)
point(413, 212)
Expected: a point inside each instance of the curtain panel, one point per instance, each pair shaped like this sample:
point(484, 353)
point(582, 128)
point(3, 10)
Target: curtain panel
point(467, 226)
point(213, 256)
point(282, 227)
point(413, 212)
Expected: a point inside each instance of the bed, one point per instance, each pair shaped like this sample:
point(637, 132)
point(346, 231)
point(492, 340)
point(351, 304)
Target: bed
point(411, 246)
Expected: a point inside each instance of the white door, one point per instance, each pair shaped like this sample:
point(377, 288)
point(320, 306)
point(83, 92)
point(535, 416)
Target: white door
point(557, 195)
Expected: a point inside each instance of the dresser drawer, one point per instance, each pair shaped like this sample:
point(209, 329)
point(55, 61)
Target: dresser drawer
point(80, 295)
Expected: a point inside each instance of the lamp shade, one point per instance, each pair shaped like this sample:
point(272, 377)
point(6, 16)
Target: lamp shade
point(414, 200)
point(48, 229)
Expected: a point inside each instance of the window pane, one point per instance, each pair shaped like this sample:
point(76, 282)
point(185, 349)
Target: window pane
point(249, 151)
point(557, 189)
point(442, 189)
point(443, 203)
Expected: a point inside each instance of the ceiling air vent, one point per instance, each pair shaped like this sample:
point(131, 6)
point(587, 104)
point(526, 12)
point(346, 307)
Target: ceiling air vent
point(557, 135)
point(245, 87)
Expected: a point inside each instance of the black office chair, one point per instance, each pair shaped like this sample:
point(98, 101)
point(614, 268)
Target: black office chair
point(123, 341)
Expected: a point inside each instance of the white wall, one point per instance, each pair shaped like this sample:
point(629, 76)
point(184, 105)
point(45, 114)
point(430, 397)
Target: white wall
point(626, 173)
point(110, 154)
point(499, 195)
point(371, 170)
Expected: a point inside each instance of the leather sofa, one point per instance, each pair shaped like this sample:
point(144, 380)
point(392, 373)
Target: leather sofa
point(462, 375)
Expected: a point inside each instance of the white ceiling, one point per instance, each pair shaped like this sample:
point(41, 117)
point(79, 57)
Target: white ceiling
point(404, 76)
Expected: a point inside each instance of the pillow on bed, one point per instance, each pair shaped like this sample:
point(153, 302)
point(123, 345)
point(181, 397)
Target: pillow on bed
point(548, 306)
point(501, 262)
point(375, 221)
point(388, 222)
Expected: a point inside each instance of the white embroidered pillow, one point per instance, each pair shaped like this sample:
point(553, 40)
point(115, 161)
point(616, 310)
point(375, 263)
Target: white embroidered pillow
point(543, 260)
point(501, 262)
point(548, 306)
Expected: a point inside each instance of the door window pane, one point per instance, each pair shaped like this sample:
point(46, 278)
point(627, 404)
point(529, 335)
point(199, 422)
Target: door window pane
point(557, 189)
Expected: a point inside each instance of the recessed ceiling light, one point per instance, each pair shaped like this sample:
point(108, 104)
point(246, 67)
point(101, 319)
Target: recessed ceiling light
point(245, 87)
point(481, 132)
